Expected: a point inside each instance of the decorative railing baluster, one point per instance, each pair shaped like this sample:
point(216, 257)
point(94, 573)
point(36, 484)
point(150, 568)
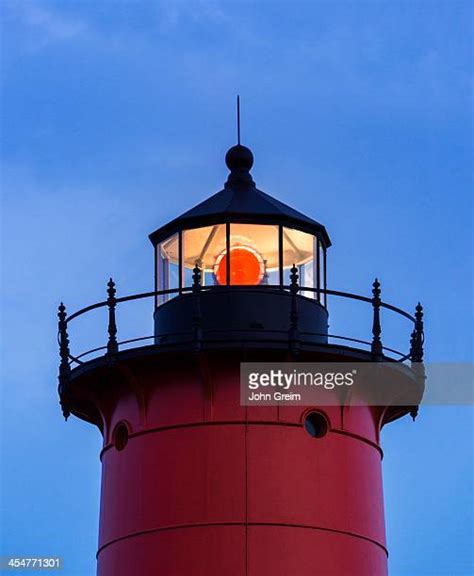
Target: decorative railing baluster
point(196, 320)
point(294, 289)
point(417, 336)
point(416, 351)
point(376, 347)
point(112, 345)
point(64, 366)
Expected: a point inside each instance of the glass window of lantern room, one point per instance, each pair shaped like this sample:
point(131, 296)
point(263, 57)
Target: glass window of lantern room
point(202, 247)
point(300, 249)
point(167, 267)
point(254, 256)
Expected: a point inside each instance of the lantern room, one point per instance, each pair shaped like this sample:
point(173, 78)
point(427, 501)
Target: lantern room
point(239, 238)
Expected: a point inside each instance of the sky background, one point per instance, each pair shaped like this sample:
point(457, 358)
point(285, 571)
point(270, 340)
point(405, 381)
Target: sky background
point(116, 116)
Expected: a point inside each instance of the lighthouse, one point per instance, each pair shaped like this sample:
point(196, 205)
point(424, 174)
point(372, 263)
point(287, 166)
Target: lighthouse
point(196, 482)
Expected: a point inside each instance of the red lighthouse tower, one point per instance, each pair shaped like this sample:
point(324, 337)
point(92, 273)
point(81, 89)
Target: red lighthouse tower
point(194, 482)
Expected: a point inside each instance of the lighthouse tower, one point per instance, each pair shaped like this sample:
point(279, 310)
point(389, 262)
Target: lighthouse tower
point(194, 482)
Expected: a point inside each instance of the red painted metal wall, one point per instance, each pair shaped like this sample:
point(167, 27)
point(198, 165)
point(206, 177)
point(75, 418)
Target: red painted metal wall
point(205, 486)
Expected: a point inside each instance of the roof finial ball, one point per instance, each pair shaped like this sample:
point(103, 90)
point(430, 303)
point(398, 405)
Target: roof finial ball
point(239, 159)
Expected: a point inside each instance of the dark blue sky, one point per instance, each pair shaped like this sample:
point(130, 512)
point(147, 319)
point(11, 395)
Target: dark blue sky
point(116, 117)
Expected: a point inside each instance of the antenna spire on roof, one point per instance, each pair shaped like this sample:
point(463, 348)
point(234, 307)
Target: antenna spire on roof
point(238, 119)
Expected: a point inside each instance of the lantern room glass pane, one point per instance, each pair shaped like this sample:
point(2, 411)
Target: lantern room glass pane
point(254, 256)
point(202, 246)
point(300, 249)
point(167, 267)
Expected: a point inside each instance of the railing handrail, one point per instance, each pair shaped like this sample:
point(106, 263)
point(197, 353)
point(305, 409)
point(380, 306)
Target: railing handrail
point(76, 359)
point(286, 288)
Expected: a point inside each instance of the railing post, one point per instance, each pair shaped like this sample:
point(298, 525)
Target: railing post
point(112, 345)
point(64, 366)
point(197, 333)
point(293, 332)
point(416, 352)
point(417, 336)
point(376, 347)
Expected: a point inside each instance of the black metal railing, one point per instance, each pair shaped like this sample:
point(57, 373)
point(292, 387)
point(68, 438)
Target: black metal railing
point(295, 336)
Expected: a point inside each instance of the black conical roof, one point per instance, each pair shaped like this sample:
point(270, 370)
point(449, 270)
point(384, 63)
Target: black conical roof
point(240, 201)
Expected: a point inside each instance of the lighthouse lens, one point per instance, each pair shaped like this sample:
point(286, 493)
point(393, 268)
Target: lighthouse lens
point(246, 266)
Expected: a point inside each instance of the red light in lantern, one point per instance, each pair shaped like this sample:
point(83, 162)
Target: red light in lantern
point(246, 266)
